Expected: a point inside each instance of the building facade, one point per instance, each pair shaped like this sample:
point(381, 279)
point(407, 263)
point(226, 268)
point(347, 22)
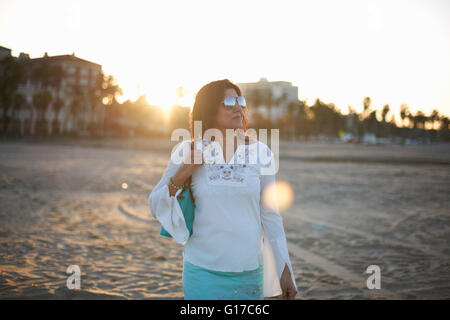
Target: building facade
point(74, 102)
point(4, 52)
point(270, 98)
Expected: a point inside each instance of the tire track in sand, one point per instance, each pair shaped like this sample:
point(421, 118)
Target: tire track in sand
point(416, 246)
point(338, 271)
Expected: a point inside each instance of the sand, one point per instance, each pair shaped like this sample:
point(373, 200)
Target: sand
point(354, 206)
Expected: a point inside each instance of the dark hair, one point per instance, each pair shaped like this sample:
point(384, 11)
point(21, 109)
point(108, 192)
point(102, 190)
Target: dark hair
point(207, 101)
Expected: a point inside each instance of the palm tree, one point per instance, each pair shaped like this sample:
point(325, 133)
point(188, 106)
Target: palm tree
point(404, 113)
point(411, 120)
point(326, 120)
point(269, 101)
point(372, 121)
point(18, 105)
point(55, 75)
point(49, 77)
point(76, 107)
point(444, 128)
point(419, 120)
point(279, 101)
point(254, 100)
point(95, 103)
point(41, 100)
point(12, 74)
point(58, 103)
point(290, 116)
point(108, 89)
point(352, 122)
point(367, 102)
point(434, 117)
point(384, 113)
point(304, 114)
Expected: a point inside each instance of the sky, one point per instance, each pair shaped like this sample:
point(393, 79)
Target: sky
point(395, 51)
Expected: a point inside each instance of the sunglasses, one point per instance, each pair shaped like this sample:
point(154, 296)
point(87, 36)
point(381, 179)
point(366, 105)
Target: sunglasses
point(230, 102)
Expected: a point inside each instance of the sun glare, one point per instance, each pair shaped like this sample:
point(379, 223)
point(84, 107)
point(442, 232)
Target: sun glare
point(374, 48)
point(187, 101)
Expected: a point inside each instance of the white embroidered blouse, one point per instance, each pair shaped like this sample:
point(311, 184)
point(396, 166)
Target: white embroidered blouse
point(234, 230)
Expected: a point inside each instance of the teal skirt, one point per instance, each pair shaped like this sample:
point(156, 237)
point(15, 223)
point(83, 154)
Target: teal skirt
point(204, 284)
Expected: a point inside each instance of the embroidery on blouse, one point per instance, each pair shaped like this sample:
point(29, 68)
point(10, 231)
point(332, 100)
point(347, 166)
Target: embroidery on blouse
point(232, 174)
point(226, 174)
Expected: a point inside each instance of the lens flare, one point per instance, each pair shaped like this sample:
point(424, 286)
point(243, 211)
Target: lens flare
point(279, 194)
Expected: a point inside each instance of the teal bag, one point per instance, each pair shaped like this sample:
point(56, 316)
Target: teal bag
point(187, 206)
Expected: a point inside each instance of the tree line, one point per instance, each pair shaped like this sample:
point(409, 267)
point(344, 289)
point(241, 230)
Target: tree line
point(20, 116)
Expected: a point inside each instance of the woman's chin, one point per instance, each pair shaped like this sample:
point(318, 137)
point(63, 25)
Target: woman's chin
point(237, 124)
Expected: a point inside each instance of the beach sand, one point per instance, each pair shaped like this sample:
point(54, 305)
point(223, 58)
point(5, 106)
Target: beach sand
point(354, 206)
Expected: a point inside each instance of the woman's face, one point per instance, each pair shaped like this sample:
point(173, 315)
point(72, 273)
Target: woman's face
point(229, 119)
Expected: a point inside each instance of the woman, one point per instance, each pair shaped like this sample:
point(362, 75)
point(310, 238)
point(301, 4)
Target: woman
point(238, 246)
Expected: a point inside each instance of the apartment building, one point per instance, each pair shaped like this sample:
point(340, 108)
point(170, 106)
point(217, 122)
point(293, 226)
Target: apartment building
point(267, 95)
point(75, 85)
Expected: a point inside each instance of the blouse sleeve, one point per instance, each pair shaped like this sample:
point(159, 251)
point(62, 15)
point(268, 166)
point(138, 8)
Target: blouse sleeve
point(275, 250)
point(165, 208)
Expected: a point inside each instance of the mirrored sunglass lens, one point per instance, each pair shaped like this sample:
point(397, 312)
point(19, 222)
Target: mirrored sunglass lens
point(229, 102)
point(241, 101)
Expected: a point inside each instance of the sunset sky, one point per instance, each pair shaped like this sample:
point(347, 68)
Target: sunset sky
point(395, 51)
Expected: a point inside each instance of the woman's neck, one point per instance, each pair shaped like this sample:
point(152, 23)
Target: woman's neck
point(232, 139)
point(236, 138)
